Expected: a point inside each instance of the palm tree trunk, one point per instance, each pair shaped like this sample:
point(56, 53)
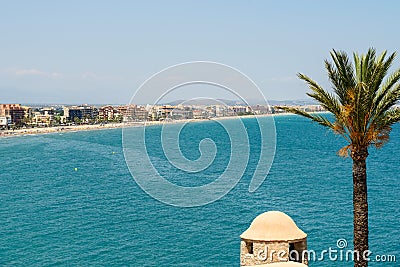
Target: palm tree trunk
point(360, 205)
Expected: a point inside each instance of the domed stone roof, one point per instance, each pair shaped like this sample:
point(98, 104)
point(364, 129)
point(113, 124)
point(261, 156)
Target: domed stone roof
point(273, 226)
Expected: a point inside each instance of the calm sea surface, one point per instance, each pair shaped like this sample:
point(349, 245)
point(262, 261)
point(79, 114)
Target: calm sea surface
point(52, 214)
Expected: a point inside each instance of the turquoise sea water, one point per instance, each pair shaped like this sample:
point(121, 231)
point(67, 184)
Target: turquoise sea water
point(52, 214)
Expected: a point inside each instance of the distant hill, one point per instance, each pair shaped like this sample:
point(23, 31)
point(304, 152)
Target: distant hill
point(205, 102)
point(199, 102)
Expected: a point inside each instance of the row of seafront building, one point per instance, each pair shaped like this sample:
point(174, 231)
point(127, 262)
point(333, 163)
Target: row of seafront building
point(17, 115)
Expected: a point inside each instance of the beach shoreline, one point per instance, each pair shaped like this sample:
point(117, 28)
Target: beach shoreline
point(94, 127)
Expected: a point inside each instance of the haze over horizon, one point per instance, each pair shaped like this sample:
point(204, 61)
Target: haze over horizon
point(102, 51)
point(229, 102)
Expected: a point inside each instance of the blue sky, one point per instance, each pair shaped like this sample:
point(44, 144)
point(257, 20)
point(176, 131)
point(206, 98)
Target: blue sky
point(101, 51)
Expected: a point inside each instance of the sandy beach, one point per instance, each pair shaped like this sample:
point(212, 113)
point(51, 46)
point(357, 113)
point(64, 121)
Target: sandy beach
point(69, 128)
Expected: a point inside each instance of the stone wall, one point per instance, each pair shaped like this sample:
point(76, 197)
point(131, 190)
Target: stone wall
point(267, 252)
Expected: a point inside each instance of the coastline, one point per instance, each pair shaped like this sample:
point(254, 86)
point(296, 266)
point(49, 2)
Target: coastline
point(95, 127)
point(58, 129)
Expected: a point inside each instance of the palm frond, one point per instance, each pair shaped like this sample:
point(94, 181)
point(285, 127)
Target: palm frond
point(388, 100)
point(380, 71)
point(390, 117)
point(316, 118)
point(387, 86)
point(344, 68)
point(327, 100)
point(336, 81)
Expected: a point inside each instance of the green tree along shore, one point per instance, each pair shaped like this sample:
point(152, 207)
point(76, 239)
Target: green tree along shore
point(362, 102)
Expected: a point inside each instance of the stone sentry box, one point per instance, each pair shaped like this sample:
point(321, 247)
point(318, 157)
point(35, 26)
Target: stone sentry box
point(273, 237)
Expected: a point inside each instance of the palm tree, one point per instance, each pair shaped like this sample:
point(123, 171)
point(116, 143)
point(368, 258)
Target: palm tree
point(362, 103)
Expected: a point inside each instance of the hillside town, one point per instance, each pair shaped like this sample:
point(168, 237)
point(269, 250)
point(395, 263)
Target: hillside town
point(14, 116)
